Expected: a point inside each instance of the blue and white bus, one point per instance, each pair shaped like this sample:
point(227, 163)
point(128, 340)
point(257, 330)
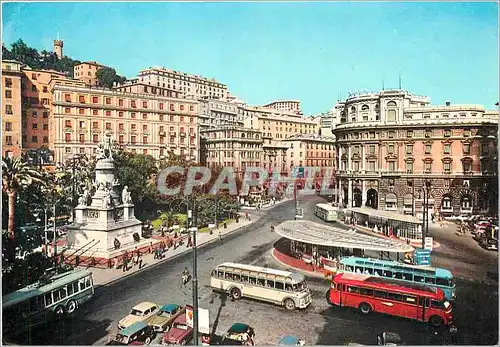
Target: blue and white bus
point(433, 277)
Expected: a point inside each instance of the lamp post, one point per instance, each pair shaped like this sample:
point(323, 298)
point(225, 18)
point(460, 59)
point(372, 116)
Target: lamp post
point(426, 192)
point(45, 210)
point(192, 226)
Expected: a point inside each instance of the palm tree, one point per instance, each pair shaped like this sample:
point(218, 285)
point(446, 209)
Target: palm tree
point(16, 174)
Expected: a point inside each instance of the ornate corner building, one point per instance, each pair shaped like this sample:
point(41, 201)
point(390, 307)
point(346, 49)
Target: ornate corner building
point(389, 143)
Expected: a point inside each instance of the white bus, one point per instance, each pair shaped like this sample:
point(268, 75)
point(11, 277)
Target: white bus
point(326, 212)
point(49, 298)
point(282, 288)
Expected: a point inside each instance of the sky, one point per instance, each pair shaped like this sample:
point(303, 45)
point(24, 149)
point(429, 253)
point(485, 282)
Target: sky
point(315, 52)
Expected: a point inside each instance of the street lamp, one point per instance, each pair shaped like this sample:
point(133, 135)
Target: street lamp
point(426, 192)
point(192, 227)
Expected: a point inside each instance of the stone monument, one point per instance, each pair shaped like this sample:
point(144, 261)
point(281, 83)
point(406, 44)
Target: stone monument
point(106, 227)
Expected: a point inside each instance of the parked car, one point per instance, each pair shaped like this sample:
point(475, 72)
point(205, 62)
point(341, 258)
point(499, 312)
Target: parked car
point(291, 341)
point(236, 334)
point(489, 244)
point(389, 339)
point(179, 334)
point(163, 319)
point(139, 313)
point(138, 333)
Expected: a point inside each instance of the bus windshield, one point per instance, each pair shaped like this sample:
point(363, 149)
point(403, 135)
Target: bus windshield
point(299, 287)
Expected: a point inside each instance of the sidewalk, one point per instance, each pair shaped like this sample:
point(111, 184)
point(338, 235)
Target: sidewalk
point(103, 276)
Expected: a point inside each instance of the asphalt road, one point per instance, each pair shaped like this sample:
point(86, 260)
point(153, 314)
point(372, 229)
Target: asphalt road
point(476, 309)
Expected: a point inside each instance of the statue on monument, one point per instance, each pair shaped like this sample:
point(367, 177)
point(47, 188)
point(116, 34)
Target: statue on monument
point(105, 148)
point(82, 201)
point(126, 198)
point(107, 200)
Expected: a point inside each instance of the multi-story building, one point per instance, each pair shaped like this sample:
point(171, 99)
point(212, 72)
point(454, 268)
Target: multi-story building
point(87, 72)
point(292, 106)
point(37, 99)
point(141, 123)
point(134, 86)
point(389, 143)
point(310, 150)
point(194, 85)
point(233, 146)
point(215, 113)
point(11, 108)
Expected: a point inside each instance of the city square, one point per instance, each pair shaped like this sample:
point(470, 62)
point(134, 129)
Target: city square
point(173, 208)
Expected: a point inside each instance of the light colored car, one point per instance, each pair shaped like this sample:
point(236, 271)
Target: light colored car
point(162, 321)
point(139, 313)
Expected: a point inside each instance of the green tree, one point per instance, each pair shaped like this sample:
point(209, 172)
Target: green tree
point(16, 174)
point(107, 76)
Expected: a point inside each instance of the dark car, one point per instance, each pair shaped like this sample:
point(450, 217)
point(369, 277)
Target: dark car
point(236, 335)
point(180, 333)
point(138, 333)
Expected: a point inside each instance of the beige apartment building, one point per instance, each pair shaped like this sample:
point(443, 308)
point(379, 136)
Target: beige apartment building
point(140, 123)
point(232, 146)
point(310, 150)
point(87, 72)
point(11, 108)
point(292, 106)
point(188, 84)
point(215, 113)
point(389, 143)
point(134, 86)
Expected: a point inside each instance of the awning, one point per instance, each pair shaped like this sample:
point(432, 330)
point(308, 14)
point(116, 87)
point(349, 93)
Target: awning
point(391, 198)
point(408, 200)
point(325, 235)
point(382, 214)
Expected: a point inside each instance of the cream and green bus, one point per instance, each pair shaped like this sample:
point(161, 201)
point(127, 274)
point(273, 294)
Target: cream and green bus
point(326, 212)
point(51, 297)
point(279, 287)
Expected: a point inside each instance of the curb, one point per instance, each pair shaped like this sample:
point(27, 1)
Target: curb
point(310, 273)
point(198, 246)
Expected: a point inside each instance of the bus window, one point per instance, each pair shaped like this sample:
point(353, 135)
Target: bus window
point(394, 296)
point(437, 304)
point(430, 280)
point(48, 299)
point(62, 292)
point(88, 281)
point(407, 277)
point(279, 285)
point(75, 287)
point(443, 282)
point(56, 295)
point(261, 282)
point(359, 270)
point(352, 289)
point(69, 289)
point(36, 304)
point(214, 273)
point(387, 273)
point(236, 278)
point(349, 268)
point(421, 301)
point(220, 274)
point(409, 299)
point(366, 291)
point(380, 294)
point(244, 278)
point(418, 278)
point(368, 271)
point(229, 276)
point(270, 284)
point(288, 287)
point(252, 280)
point(81, 282)
point(333, 286)
point(399, 275)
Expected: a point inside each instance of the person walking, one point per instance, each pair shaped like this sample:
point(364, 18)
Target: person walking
point(139, 260)
point(125, 261)
point(219, 235)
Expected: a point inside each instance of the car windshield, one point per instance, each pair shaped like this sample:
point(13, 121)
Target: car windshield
point(300, 286)
point(234, 336)
point(165, 314)
point(135, 312)
point(180, 326)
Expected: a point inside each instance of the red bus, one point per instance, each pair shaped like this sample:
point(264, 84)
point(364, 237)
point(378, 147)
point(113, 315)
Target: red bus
point(380, 294)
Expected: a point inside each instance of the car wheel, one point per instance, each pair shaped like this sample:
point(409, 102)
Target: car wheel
point(183, 342)
point(236, 293)
point(147, 341)
point(166, 329)
point(435, 321)
point(289, 304)
point(365, 308)
point(71, 307)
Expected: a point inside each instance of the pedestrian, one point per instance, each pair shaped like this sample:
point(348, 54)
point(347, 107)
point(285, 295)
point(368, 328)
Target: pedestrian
point(189, 242)
point(125, 261)
point(139, 261)
point(220, 236)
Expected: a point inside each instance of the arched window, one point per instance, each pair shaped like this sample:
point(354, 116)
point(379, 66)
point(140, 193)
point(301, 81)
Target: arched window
point(365, 108)
point(466, 203)
point(391, 104)
point(353, 109)
point(391, 201)
point(446, 203)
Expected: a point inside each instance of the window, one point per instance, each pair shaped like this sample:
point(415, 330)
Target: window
point(428, 148)
point(270, 284)
point(392, 166)
point(108, 113)
point(366, 291)
point(352, 289)
point(409, 167)
point(95, 138)
point(67, 110)
point(427, 167)
point(467, 148)
point(372, 149)
point(95, 99)
point(442, 282)
point(8, 140)
point(409, 133)
point(34, 126)
point(81, 98)
point(279, 285)
point(81, 111)
point(144, 104)
point(144, 116)
point(371, 166)
point(172, 107)
point(8, 94)
point(410, 299)
point(447, 167)
point(391, 115)
point(409, 149)
point(447, 133)
point(430, 280)
point(466, 133)
point(8, 126)
point(380, 294)
point(394, 296)
point(390, 134)
point(191, 108)
point(133, 140)
point(48, 299)
point(45, 114)
point(145, 139)
point(8, 109)
point(108, 126)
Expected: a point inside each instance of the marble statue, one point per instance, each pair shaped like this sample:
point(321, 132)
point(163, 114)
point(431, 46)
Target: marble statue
point(84, 198)
point(107, 200)
point(126, 199)
point(81, 201)
point(105, 149)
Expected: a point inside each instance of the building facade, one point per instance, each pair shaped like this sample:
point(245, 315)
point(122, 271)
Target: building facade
point(215, 113)
point(11, 108)
point(292, 106)
point(188, 84)
point(133, 86)
point(390, 143)
point(87, 72)
point(310, 150)
point(140, 123)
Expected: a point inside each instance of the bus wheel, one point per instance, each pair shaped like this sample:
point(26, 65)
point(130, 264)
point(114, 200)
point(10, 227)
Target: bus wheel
point(236, 293)
point(147, 341)
point(365, 308)
point(435, 321)
point(59, 311)
point(328, 298)
point(71, 307)
point(289, 304)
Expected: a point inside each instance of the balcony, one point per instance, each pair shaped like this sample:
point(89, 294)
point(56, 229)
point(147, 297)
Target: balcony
point(173, 133)
point(192, 134)
point(161, 133)
point(183, 134)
